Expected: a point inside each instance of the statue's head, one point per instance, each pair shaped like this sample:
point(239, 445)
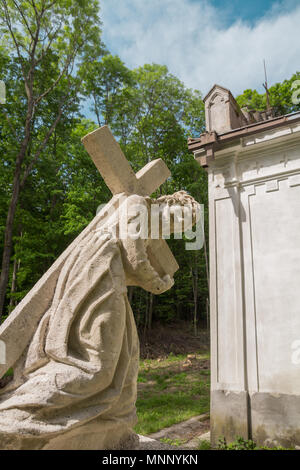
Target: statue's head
point(148, 261)
point(180, 210)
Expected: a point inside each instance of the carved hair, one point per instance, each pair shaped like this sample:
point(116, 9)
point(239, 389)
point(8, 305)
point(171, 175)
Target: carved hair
point(179, 198)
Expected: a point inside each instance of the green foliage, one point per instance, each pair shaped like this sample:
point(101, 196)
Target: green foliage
point(153, 116)
point(43, 47)
point(238, 444)
point(9, 373)
point(204, 445)
point(244, 444)
point(164, 398)
point(104, 81)
point(149, 110)
point(172, 442)
point(280, 97)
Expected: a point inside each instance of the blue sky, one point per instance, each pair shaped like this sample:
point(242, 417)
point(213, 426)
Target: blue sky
point(207, 41)
point(246, 10)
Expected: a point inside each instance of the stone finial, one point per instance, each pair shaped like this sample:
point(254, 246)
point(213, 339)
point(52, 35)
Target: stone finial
point(222, 113)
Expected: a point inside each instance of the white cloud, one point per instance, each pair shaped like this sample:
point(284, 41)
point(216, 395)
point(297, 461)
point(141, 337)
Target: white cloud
point(192, 40)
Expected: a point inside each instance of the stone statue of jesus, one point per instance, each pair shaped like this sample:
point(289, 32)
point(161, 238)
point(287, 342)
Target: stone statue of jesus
point(75, 384)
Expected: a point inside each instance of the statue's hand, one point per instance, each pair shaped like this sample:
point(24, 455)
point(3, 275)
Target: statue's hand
point(158, 285)
point(138, 266)
point(167, 282)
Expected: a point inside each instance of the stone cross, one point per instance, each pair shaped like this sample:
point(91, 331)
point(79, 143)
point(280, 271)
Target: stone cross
point(18, 329)
point(116, 170)
point(117, 173)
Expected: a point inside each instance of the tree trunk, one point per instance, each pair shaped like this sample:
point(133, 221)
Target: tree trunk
point(194, 273)
point(146, 316)
point(207, 313)
point(18, 184)
point(150, 311)
point(195, 301)
point(8, 235)
point(16, 267)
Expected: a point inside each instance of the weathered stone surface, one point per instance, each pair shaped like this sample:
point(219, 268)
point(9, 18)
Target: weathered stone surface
point(254, 194)
point(275, 419)
point(229, 415)
point(186, 434)
point(119, 176)
point(221, 111)
point(75, 368)
point(223, 114)
point(148, 443)
point(185, 430)
point(116, 170)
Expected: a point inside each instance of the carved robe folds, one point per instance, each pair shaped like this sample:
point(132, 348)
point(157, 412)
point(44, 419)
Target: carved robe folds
point(76, 388)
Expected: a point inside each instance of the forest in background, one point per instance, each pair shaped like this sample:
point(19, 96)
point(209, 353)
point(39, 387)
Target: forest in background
point(55, 66)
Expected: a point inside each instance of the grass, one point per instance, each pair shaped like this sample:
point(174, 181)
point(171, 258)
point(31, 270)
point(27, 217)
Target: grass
point(244, 444)
point(171, 390)
point(239, 444)
point(204, 445)
point(9, 373)
point(173, 442)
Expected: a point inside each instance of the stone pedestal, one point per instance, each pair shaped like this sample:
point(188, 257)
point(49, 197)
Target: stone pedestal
point(254, 207)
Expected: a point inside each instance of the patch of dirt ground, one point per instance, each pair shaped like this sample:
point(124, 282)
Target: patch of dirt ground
point(176, 338)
